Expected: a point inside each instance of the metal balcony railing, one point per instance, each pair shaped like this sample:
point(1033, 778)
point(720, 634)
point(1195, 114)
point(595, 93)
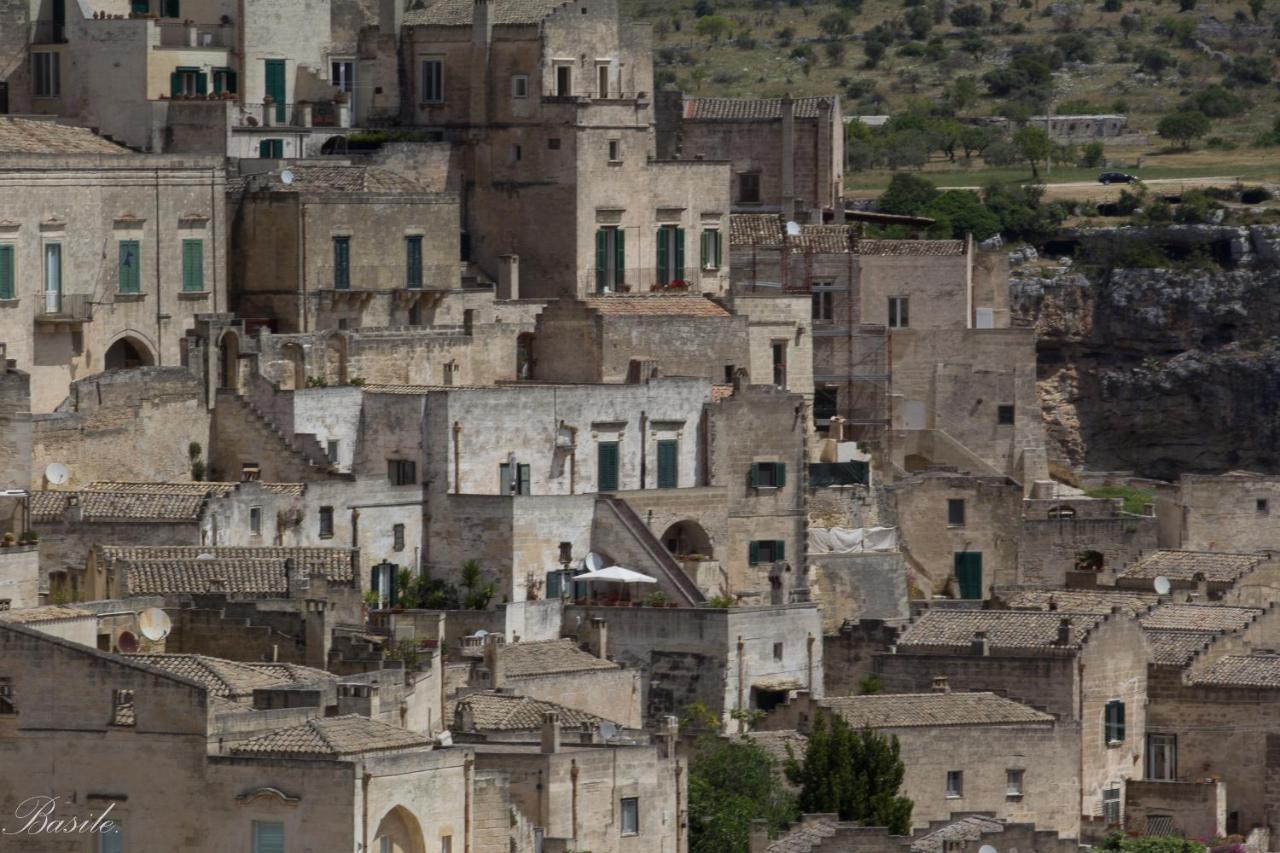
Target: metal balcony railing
point(315, 114)
point(649, 280)
point(64, 308)
point(182, 35)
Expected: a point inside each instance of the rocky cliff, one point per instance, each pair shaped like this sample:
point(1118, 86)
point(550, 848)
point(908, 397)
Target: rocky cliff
point(1158, 349)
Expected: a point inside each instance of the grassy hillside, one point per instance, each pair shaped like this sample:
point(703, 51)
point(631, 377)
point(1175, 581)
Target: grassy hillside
point(1144, 58)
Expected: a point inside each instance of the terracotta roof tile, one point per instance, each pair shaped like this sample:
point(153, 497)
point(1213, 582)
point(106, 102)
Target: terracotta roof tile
point(24, 136)
point(1256, 670)
point(492, 711)
point(457, 13)
point(967, 828)
point(200, 488)
point(1004, 628)
point(1199, 617)
point(1183, 565)
point(227, 678)
point(1081, 600)
point(807, 836)
point(760, 229)
point(752, 109)
point(178, 569)
point(547, 657)
point(51, 613)
point(1177, 648)
point(903, 710)
point(49, 506)
point(909, 248)
point(823, 239)
point(332, 737)
point(647, 305)
point(346, 179)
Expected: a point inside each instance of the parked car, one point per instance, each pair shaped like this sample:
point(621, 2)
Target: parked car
point(1116, 178)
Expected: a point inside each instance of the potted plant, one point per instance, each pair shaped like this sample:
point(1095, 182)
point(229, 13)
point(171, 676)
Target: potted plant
point(8, 540)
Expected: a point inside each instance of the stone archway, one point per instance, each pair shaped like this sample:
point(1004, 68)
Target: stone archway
point(128, 351)
point(293, 373)
point(524, 356)
point(229, 360)
point(687, 538)
point(399, 832)
point(335, 360)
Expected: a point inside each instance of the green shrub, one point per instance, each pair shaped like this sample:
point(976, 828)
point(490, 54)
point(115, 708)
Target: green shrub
point(1135, 499)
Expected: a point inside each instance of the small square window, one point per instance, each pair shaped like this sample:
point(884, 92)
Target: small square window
point(615, 151)
point(1013, 782)
point(122, 709)
point(749, 188)
point(955, 784)
point(331, 450)
point(630, 815)
point(1004, 415)
point(899, 312)
point(1262, 506)
point(520, 86)
point(955, 512)
point(517, 153)
point(401, 472)
point(823, 306)
point(777, 651)
point(553, 143)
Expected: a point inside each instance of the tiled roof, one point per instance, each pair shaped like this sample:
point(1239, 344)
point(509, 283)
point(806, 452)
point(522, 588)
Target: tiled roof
point(259, 568)
point(1199, 617)
point(751, 109)
point(1183, 565)
point(967, 828)
point(347, 179)
point(24, 136)
point(761, 229)
point(547, 657)
point(1080, 600)
point(806, 836)
point(1256, 670)
point(494, 711)
point(902, 710)
point(1177, 648)
point(823, 239)
point(775, 743)
point(233, 575)
point(51, 613)
point(201, 488)
point(1004, 628)
point(909, 248)
point(457, 13)
point(332, 737)
point(226, 678)
point(646, 305)
point(47, 506)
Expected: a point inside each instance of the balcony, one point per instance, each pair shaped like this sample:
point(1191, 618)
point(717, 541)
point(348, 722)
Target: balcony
point(268, 114)
point(65, 309)
point(177, 34)
point(695, 280)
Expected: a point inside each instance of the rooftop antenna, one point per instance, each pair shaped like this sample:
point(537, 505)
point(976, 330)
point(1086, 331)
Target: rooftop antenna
point(154, 624)
point(56, 474)
point(1162, 585)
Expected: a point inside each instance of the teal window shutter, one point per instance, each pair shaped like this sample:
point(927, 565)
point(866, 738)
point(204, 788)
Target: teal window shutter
point(175, 84)
point(705, 245)
point(679, 266)
point(607, 466)
point(663, 236)
point(342, 263)
point(780, 474)
point(1120, 720)
point(668, 464)
point(601, 259)
point(716, 242)
point(522, 485)
point(6, 272)
point(130, 260)
point(139, 7)
point(753, 553)
point(619, 256)
point(374, 578)
point(753, 478)
point(779, 551)
point(202, 83)
point(553, 585)
point(192, 266)
point(394, 582)
point(264, 149)
point(413, 262)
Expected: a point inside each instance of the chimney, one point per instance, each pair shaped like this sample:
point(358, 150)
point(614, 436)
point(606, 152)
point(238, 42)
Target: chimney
point(788, 158)
point(1202, 587)
point(508, 276)
point(493, 661)
point(590, 733)
point(759, 838)
point(550, 732)
point(390, 17)
point(598, 637)
point(940, 684)
point(464, 717)
point(981, 645)
point(1065, 633)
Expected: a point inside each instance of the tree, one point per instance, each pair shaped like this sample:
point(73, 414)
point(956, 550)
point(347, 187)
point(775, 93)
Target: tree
point(835, 51)
point(1256, 7)
point(731, 783)
point(1250, 70)
point(712, 27)
point(1092, 155)
point(853, 773)
point(1111, 5)
point(1186, 5)
point(834, 25)
point(1152, 844)
point(975, 140)
point(875, 51)
point(962, 93)
point(1217, 102)
point(961, 212)
point(1183, 127)
point(1035, 147)
point(970, 15)
point(919, 22)
point(907, 195)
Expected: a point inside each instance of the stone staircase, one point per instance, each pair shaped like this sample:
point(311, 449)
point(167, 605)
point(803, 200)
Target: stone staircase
point(301, 447)
point(672, 573)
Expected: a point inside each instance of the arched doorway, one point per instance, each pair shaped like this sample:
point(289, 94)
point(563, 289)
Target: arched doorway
point(524, 356)
point(335, 361)
point(229, 360)
point(687, 539)
point(399, 832)
point(293, 373)
point(126, 353)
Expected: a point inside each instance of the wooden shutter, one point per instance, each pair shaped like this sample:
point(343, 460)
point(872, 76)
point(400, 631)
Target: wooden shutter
point(553, 585)
point(607, 466)
point(393, 581)
point(264, 149)
point(779, 550)
point(619, 256)
point(6, 272)
point(668, 466)
point(193, 266)
point(704, 245)
point(753, 478)
point(1119, 721)
point(413, 262)
point(504, 478)
point(175, 84)
point(202, 83)
point(717, 243)
point(375, 579)
point(661, 273)
point(130, 259)
point(779, 474)
point(679, 267)
point(341, 263)
point(601, 258)
point(753, 553)
point(522, 485)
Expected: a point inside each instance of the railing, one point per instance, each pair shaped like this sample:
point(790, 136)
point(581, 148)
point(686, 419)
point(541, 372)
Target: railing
point(648, 279)
point(64, 308)
point(48, 32)
point(182, 35)
point(304, 114)
point(553, 94)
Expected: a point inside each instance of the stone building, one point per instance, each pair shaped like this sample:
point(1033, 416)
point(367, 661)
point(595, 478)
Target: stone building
point(959, 833)
point(1084, 668)
point(787, 154)
point(1082, 128)
point(19, 577)
point(1222, 512)
point(551, 105)
point(106, 256)
point(1212, 576)
point(973, 751)
point(1063, 535)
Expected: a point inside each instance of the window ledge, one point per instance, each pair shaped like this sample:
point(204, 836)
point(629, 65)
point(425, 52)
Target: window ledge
point(1011, 796)
point(766, 488)
point(193, 294)
point(615, 162)
point(129, 297)
point(955, 796)
point(1114, 744)
point(9, 303)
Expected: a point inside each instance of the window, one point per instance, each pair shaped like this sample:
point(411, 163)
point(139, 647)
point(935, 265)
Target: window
point(520, 85)
point(255, 521)
point(517, 153)
point(607, 466)
point(1111, 805)
point(341, 263)
point(768, 475)
point(1113, 722)
point(52, 277)
point(777, 651)
point(224, 80)
point(1260, 505)
point(898, 314)
point(6, 272)
point(564, 81)
point(630, 815)
point(826, 403)
point(749, 188)
point(712, 249)
point(413, 262)
point(728, 373)
point(326, 522)
point(6, 603)
point(45, 74)
point(1004, 415)
point(188, 81)
point(268, 837)
point(342, 75)
point(271, 149)
point(668, 463)
point(446, 844)
point(823, 306)
point(766, 551)
point(553, 144)
point(432, 81)
point(779, 349)
point(122, 709)
point(615, 151)
point(602, 81)
point(955, 784)
point(402, 472)
point(670, 254)
point(112, 840)
point(130, 266)
point(193, 266)
point(250, 471)
point(331, 450)
point(397, 537)
point(955, 512)
point(505, 484)
point(1162, 757)
point(611, 258)
point(7, 705)
point(1013, 782)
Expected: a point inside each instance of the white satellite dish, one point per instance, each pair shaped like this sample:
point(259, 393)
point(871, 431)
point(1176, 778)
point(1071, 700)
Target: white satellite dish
point(793, 229)
point(987, 848)
point(286, 177)
point(56, 474)
point(481, 633)
point(1162, 585)
point(206, 556)
point(154, 624)
point(594, 562)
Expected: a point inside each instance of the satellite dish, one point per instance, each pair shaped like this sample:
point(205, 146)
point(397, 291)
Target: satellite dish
point(206, 556)
point(127, 642)
point(154, 624)
point(987, 848)
point(56, 474)
point(793, 229)
point(481, 633)
point(286, 177)
point(594, 562)
point(1162, 585)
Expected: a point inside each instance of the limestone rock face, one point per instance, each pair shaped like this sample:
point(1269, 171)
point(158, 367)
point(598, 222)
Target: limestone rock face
point(1158, 370)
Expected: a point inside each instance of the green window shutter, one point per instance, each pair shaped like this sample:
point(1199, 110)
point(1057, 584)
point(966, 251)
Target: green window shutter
point(130, 259)
point(679, 266)
point(175, 84)
point(504, 479)
point(394, 593)
point(619, 256)
point(607, 466)
point(553, 585)
point(522, 486)
point(601, 258)
point(716, 239)
point(780, 474)
point(779, 550)
point(6, 272)
point(1119, 721)
point(341, 263)
point(202, 83)
point(663, 236)
point(264, 149)
point(193, 266)
point(374, 578)
point(753, 479)
point(668, 464)
point(231, 81)
point(753, 553)
point(140, 7)
point(704, 245)
point(413, 262)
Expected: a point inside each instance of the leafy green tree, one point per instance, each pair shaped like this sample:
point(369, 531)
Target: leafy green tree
point(834, 25)
point(1152, 844)
point(1184, 127)
point(1111, 5)
point(918, 21)
point(1021, 212)
point(907, 195)
point(1092, 155)
point(731, 783)
point(712, 27)
point(1217, 101)
point(875, 51)
point(969, 15)
point(478, 592)
point(976, 140)
point(854, 773)
point(1256, 7)
point(961, 212)
point(835, 51)
point(1035, 146)
point(962, 93)
point(1250, 70)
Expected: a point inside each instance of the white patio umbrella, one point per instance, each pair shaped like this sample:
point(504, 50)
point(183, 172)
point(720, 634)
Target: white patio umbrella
point(617, 574)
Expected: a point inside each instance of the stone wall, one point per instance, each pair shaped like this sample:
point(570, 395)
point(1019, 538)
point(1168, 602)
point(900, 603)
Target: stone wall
point(1050, 548)
point(1194, 809)
point(849, 654)
point(15, 428)
point(19, 577)
point(857, 586)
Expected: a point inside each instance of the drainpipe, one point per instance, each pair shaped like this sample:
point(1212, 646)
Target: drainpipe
point(213, 218)
point(679, 771)
point(457, 463)
point(303, 308)
point(808, 682)
point(644, 423)
point(159, 315)
point(467, 771)
point(364, 810)
point(741, 674)
point(573, 780)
